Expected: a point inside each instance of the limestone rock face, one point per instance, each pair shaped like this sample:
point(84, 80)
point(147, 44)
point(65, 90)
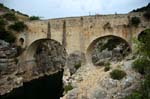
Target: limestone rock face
point(97, 84)
point(75, 60)
point(8, 67)
point(7, 57)
point(49, 58)
point(73, 94)
point(98, 93)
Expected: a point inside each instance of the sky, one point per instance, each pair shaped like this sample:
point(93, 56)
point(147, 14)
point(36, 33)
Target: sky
point(67, 8)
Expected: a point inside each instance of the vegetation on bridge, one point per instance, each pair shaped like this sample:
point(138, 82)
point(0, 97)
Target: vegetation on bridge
point(135, 21)
point(34, 18)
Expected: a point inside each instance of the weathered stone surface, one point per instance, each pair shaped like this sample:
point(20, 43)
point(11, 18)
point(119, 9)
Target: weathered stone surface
point(73, 94)
point(50, 55)
point(8, 67)
point(97, 84)
point(99, 94)
point(109, 83)
point(127, 82)
point(75, 60)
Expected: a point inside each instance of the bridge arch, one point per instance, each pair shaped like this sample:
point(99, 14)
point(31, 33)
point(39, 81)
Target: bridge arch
point(45, 54)
point(92, 45)
point(143, 34)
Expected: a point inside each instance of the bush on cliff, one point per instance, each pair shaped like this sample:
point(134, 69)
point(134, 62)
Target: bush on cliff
point(34, 18)
point(142, 65)
point(107, 67)
point(18, 26)
point(2, 22)
point(135, 21)
point(147, 15)
point(10, 17)
point(68, 88)
point(7, 36)
point(117, 74)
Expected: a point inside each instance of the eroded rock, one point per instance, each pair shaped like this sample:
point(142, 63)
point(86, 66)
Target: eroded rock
point(74, 61)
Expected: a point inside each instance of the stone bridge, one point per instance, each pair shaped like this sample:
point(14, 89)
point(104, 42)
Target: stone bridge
point(67, 35)
point(80, 33)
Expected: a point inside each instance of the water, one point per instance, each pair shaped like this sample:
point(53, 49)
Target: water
point(47, 87)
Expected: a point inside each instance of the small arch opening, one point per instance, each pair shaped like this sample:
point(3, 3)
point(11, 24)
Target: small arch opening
point(21, 41)
point(144, 35)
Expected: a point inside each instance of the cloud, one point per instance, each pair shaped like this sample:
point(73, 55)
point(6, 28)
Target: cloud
point(64, 8)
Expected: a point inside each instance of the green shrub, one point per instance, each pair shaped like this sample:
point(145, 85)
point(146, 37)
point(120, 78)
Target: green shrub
point(142, 65)
point(145, 89)
point(143, 45)
point(107, 67)
point(13, 10)
point(111, 44)
point(143, 92)
point(7, 36)
point(3, 7)
point(135, 95)
point(142, 9)
point(68, 88)
point(135, 21)
point(18, 26)
point(10, 17)
point(77, 66)
point(2, 22)
point(34, 18)
point(147, 15)
point(117, 74)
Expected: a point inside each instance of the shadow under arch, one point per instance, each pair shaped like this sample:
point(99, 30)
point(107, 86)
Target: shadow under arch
point(42, 81)
point(31, 50)
point(92, 45)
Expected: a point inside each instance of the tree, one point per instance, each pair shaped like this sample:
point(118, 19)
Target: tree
point(7, 36)
point(135, 21)
point(34, 18)
point(2, 22)
point(144, 42)
point(10, 17)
